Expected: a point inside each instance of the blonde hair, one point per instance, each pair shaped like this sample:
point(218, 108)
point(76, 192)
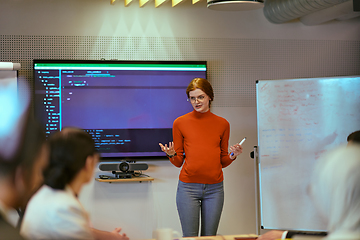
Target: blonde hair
point(335, 188)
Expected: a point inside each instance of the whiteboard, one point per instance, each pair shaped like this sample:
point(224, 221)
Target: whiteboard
point(298, 120)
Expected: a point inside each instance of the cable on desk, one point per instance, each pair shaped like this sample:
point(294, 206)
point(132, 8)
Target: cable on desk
point(140, 174)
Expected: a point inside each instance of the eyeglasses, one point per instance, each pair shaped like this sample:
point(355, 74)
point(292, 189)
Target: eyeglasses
point(199, 98)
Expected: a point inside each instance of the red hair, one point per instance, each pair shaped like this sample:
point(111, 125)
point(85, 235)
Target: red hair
point(202, 84)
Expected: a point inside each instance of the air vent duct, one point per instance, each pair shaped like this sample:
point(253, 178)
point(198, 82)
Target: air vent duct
point(280, 11)
point(234, 5)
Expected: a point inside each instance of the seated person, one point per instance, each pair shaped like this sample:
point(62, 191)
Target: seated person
point(55, 212)
point(353, 138)
point(335, 191)
point(22, 161)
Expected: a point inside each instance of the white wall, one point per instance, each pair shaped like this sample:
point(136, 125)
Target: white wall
point(142, 207)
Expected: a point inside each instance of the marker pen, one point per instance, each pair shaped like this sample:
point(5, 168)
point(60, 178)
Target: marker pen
point(242, 141)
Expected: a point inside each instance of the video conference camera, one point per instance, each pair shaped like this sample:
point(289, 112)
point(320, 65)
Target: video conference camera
point(125, 167)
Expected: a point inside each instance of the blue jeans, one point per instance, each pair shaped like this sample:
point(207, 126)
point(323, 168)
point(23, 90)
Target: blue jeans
point(193, 199)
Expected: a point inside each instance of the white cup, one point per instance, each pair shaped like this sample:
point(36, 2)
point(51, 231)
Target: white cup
point(166, 234)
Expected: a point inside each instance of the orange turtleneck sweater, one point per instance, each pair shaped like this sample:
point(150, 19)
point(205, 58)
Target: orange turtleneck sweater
point(204, 138)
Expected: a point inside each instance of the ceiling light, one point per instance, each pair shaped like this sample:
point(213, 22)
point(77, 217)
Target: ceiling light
point(234, 5)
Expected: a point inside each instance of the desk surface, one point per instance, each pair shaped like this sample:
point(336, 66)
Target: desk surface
point(223, 237)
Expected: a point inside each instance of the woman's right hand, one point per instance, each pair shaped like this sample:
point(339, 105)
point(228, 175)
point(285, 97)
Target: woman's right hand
point(169, 150)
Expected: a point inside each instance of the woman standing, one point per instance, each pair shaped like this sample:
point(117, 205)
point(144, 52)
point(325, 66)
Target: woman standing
point(200, 146)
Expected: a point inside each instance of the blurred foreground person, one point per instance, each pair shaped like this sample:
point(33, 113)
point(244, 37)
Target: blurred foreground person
point(55, 212)
point(352, 139)
point(23, 157)
point(335, 190)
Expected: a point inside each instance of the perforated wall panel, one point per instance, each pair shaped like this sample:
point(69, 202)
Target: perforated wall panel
point(234, 65)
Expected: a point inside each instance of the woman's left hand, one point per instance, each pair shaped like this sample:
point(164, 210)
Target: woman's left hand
point(235, 151)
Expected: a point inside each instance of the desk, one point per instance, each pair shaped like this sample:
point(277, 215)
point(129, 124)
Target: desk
point(222, 237)
point(122, 180)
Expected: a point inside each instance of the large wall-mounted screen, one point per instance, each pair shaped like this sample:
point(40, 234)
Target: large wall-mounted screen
point(127, 106)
